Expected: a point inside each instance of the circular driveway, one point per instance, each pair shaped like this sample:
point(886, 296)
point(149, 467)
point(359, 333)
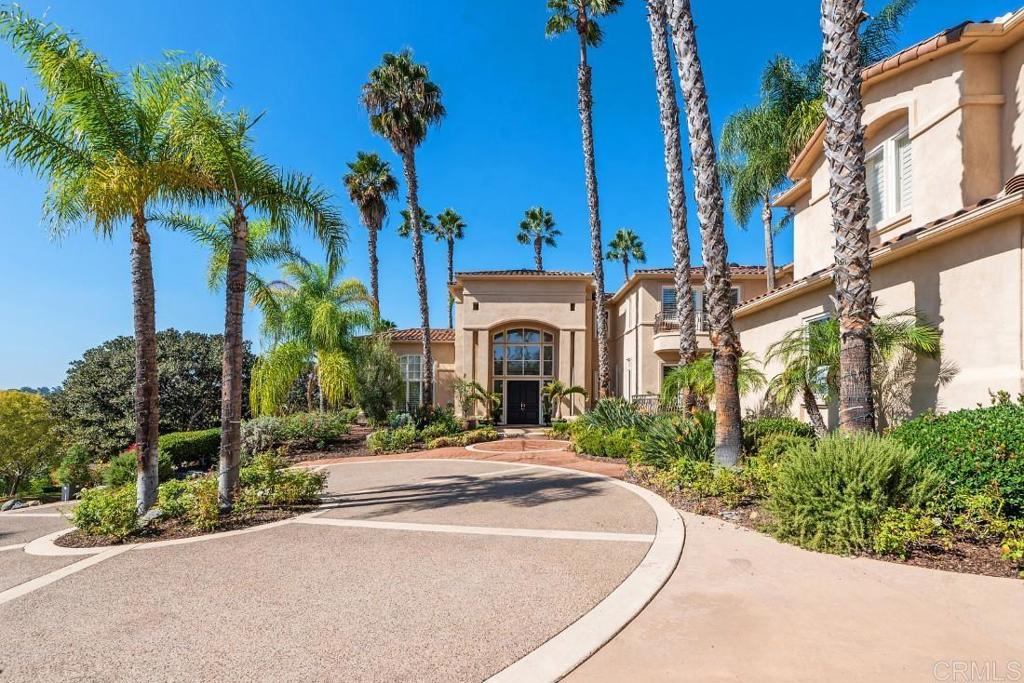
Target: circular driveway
point(415, 570)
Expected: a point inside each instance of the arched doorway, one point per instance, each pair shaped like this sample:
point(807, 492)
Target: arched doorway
point(522, 362)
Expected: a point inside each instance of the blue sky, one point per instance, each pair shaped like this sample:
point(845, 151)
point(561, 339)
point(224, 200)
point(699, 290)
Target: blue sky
point(510, 141)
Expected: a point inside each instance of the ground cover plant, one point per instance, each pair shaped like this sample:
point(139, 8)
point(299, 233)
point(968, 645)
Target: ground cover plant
point(428, 428)
point(296, 432)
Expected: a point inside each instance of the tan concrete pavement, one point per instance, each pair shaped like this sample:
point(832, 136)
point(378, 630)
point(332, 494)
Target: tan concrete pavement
point(743, 607)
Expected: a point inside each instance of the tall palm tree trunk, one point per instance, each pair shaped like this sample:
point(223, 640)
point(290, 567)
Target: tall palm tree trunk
point(374, 267)
point(412, 190)
point(147, 388)
point(451, 278)
point(669, 117)
point(725, 342)
point(814, 413)
point(586, 107)
point(625, 265)
point(844, 151)
point(538, 259)
point(231, 369)
point(769, 244)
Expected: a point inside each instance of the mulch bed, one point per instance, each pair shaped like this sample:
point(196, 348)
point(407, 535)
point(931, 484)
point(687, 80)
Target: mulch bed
point(963, 555)
point(169, 529)
point(348, 446)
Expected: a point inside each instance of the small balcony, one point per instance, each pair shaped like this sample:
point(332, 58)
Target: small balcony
point(666, 333)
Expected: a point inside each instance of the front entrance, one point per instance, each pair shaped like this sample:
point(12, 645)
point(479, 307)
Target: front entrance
point(522, 402)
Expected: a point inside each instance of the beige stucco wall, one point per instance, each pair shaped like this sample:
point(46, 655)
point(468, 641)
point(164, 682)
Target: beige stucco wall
point(444, 361)
point(971, 286)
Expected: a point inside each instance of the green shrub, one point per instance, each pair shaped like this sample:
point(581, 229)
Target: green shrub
point(269, 481)
point(200, 449)
point(620, 443)
point(391, 440)
point(74, 467)
point(314, 429)
point(559, 429)
point(756, 431)
point(774, 446)
point(610, 414)
point(672, 436)
point(122, 469)
point(444, 423)
point(464, 439)
point(204, 508)
point(900, 528)
point(172, 498)
point(974, 449)
point(107, 511)
point(833, 496)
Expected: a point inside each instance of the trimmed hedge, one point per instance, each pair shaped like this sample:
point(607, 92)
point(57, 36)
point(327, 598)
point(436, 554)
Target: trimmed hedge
point(974, 450)
point(121, 471)
point(200, 449)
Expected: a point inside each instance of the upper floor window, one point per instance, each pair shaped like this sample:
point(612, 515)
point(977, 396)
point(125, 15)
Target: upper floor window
point(523, 352)
point(669, 310)
point(889, 177)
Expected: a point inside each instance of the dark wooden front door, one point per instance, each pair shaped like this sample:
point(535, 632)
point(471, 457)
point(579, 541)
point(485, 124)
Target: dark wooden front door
point(523, 403)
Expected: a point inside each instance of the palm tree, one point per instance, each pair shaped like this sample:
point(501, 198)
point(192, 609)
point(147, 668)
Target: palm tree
point(449, 228)
point(311, 320)
point(248, 184)
point(697, 380)
point(370, 185)
point(848, 195)
point(669, 118)
point(403, 103)
point(725, 342)
point(557, 391)
point(426, 223)
point(581, 16)
point(538, 228)
point(810, 359)
point(106, 144)
point(626, 246)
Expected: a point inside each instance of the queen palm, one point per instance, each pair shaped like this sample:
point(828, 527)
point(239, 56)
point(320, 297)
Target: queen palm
point(668, 109)
point(403, 103)
point(105, 143)
point(581, 16)
point(538, 228)
point(248, 184)
point(697, 380)
point(848, 195)
point(626, 246)
point(449, 227)
point(725, 342)
point(370, 185)
point(312, 321)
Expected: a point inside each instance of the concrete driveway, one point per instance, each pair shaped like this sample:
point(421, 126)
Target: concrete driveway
point(416, 571)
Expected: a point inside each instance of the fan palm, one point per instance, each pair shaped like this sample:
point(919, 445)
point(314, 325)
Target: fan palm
point(581, 16)
point(626, 246)
point(403, 103)
point(697, 379)
point(449, 227)
point(848, 195)
point(557, 391)
point(538, 228)
point(725, 342)
point(311, 320)
point(810, 359)
point(370, 185)
point(105, 143)
point(426, 223)
point(668, 108)
point(248, 184)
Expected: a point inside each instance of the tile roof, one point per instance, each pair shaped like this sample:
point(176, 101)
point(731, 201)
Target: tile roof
point(733, 268)
point(415, 334)
point(525, 271)
point(917, 50)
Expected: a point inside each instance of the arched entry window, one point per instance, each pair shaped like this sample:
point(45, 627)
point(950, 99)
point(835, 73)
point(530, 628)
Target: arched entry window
point(412, 374)
point(522, 362)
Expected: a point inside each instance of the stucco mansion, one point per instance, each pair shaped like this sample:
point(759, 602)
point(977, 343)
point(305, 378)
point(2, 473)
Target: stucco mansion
point(945, 154)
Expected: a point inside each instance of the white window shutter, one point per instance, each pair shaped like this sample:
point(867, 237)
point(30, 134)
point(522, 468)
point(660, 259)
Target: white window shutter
point(876, 189)
point(904, 162)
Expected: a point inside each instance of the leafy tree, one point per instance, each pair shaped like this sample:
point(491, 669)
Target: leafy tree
point(538, 228)
point(698, 380)
point(311, 320)
point(449, 227)
point(403, 103)
point(726, 350)
point(370, 185)
point(557, 391)
point(378, 378)
point(106, 143)
point(581, 16)
point(94, 405)
point(668, 108)
point(28, 442)
point(626, 246)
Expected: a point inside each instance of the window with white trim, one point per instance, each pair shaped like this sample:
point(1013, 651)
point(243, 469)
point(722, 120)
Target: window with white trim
point(701, 312)
point(412, 375)
point(890, 171)
point(668, 303)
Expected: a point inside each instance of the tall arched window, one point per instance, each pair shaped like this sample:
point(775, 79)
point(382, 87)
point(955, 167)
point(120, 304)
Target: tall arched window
point(523, 352)
point(412, 373)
